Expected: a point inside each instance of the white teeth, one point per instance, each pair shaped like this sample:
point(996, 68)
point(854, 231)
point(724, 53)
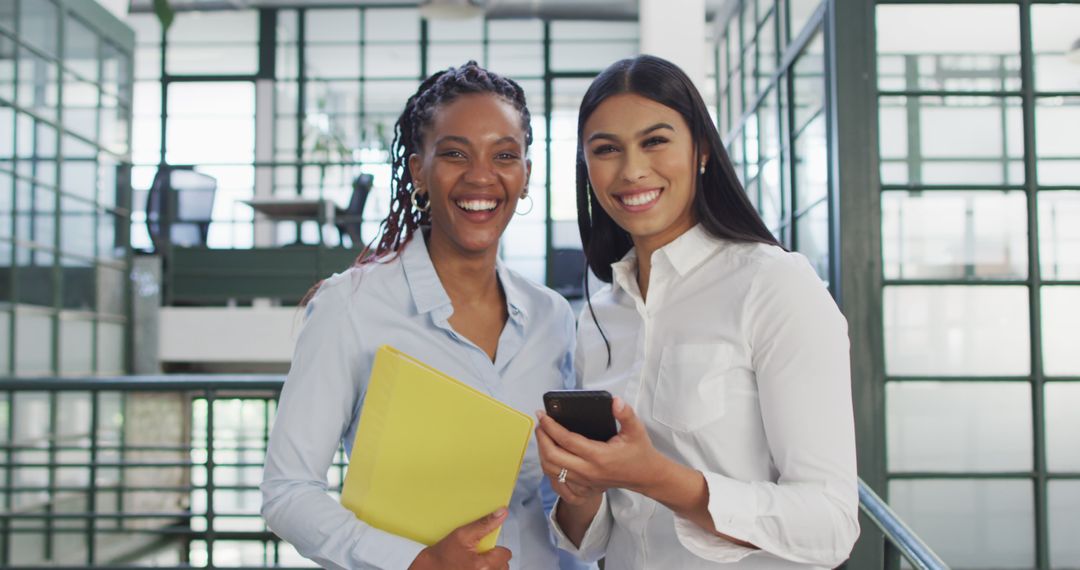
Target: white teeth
point(640, 199)
point(477, 205)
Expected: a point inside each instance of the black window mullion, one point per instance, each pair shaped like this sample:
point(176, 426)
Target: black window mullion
point(99, 212)
point(913, 113)
point(548, 108)
point(57, 268)
point(792, 167)
point(301, 89)
point(163, 46)
point(13, 282)
point(362, 87)
point(267, 43)
point(1042, 546)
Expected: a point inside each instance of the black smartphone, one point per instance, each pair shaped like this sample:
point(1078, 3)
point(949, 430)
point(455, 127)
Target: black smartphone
point(587, 412)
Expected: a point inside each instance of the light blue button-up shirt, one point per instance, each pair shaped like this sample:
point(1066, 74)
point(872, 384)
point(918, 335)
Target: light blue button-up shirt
point(401, 302)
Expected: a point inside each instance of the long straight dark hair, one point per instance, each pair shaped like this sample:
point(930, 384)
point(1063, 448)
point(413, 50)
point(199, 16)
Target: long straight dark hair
point(720, 204)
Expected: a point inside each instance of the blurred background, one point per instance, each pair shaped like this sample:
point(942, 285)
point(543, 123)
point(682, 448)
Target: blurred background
point(175, 175)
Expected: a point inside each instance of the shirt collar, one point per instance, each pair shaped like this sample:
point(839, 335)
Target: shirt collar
point(624, 272)
point(690, 249)
point(515, 297)
point(684, 254)
point(427, 290)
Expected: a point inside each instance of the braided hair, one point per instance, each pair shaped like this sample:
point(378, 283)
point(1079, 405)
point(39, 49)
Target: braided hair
point(439, 89)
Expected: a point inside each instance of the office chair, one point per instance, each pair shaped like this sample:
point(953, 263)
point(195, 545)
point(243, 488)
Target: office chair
point(568, 272)
point(179, 207)
point(352, 217)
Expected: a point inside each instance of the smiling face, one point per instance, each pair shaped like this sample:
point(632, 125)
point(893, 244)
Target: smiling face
point(641, 162)
point(473, 168)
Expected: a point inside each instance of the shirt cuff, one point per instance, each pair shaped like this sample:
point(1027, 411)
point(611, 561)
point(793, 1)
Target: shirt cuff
point(594, 543)
point(733, 509)
point(382, 550)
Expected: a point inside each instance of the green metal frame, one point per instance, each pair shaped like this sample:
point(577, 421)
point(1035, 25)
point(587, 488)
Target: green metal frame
point(855, 160)
point(114, 34)
point(1039, 475)
point(788, 46)
point(51, 525)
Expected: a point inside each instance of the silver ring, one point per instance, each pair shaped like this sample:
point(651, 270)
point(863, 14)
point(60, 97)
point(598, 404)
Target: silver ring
point(562, 475)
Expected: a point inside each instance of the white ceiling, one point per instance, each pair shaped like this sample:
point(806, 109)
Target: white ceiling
point(549, 8)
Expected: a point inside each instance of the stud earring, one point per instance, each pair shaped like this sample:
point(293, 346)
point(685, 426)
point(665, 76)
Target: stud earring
point(702, 169)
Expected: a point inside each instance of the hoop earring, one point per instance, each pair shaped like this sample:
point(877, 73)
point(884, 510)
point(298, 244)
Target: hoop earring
point(525, 194)
point(416, 203)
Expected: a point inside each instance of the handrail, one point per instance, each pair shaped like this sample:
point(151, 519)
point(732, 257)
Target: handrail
point(921, 556)
point(111, 475)
point(898, 535)
point(148, 383)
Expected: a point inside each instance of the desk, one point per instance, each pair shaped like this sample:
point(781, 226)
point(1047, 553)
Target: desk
point(298, 209)
point(286, 209)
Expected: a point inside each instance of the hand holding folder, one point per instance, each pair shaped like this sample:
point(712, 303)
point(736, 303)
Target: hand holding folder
point(459, 548)
point(431, 454)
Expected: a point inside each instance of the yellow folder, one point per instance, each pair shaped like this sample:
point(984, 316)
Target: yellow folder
point(431, 453)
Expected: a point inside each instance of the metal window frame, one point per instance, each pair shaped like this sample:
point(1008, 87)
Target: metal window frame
point(111, 34)
point(1037, 379)
point(267, 48)
point(52, 525)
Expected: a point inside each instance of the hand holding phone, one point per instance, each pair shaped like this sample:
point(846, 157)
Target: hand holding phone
point(586, 412)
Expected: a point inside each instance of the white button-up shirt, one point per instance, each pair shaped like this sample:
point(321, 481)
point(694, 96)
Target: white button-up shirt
point(402, 303)
point(737, 363)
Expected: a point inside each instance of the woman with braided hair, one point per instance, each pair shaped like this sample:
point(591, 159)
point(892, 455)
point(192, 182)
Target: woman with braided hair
point(433, 287)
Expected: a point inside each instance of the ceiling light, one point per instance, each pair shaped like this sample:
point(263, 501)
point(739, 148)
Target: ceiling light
point(451, 9)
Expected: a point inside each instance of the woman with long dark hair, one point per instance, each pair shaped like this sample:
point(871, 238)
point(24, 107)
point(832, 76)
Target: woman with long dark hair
point(432, 287)
point(727, 355)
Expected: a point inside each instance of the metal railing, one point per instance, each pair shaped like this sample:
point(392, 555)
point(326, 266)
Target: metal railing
point(126, 468)
point(160, 470)
point(900, 540)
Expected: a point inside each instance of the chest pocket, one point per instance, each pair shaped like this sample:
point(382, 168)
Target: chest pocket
point(690, 388)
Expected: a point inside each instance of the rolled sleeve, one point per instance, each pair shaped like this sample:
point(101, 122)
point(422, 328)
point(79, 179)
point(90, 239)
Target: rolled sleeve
point(594, 543)
point(733, 508)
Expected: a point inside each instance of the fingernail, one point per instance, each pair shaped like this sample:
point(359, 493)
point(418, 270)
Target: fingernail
point(501, 512)
point(539, 415)
point(619, 404)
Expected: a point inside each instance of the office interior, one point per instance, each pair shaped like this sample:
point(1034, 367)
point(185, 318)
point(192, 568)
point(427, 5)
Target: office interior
point(168, 195)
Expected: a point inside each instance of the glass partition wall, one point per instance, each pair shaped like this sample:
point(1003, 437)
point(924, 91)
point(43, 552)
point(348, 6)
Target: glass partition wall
point(65, 117)
point(65, 100)
point(772, 112)
point(980, 178)
point(296, 102)
point(978, 159)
